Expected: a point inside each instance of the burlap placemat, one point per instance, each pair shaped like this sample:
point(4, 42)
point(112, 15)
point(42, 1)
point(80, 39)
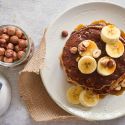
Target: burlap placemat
point(40, 106)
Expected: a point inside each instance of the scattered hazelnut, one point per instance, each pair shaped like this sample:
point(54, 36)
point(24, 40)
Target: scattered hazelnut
point(10, 46)
point(96, 53)
point(110, 63)
point(86, 43)
point(17, 48)
point(104, 62)
point(14, 39)
point(1, 58)
point(11, 30)
point(19, 33)
point(5, 36)
point(64, 33)
point(73, 50)
point(20, 54)
point(2, 51)
point(14, 56)
point(2, 41)
point(8, 60)
point(118, 88)
point(9, 53)
point(81, 47)
point(77, 59)
point(22, 43)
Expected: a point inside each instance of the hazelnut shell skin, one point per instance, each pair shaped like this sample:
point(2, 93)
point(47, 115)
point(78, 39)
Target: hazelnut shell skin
point(22, 43)
point(20, 54)
point(9, 53)
point(10, 46)
point(11, 30)
point(8, 60)
point(64, 33)
point(14, 39)
point(2, 51)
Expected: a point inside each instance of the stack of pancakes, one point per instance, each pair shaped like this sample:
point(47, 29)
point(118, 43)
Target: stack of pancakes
point(98, 83)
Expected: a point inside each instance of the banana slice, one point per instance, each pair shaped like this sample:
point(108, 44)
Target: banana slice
point(110, 34)
point(106, 66)
point(87, 47)
point(73, 94)
point(87, 64)
point(88, 99)
point(115, 50)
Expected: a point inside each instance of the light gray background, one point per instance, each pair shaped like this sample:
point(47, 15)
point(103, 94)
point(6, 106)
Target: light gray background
point(33, 16)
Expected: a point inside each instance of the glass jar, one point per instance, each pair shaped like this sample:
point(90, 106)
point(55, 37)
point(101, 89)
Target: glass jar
point(28, 51)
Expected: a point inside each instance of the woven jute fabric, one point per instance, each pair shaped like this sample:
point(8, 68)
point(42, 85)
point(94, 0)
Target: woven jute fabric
point(40, 106)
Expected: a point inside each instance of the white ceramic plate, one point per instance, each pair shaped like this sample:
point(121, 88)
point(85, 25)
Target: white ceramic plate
point(53, 77)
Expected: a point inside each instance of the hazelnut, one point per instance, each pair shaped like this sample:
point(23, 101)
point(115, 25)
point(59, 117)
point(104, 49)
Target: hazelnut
point(86, 43)
point(2, 41)
point(14, 56)
point(19, 33)
point(64, 33)
point(73, 50)
point(10, 46)
point(17, 48)
point(14, 39)
point(20, 54)
point(81, 47)
point(22, 43)
point(23, 37)
point(3, 45)
point(110, 63)
point(8, 60)
point(5, 36)
point(77, 59)
point(1, 58)
point(96, 53)
point(4, 30)
point(11, 30)
point(2, 51)
point(104, 62)
point(9, 53)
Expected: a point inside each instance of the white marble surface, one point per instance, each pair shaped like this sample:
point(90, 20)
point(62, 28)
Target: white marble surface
point(33, 16)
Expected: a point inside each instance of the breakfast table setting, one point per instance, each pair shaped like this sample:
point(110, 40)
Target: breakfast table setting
point(35, 46)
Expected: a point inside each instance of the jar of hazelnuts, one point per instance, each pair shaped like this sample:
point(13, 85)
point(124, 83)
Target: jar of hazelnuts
point(16, 47)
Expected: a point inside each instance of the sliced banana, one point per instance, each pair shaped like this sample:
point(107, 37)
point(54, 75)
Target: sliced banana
point(110, 34)
point(73, 94)
point(87, 64)
point(88, 99)
point(106, 66)
point(80, 26)
point(115, 50)
point(89, 46)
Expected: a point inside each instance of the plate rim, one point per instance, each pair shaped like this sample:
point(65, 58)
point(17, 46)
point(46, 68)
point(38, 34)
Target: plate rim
point(41, 69)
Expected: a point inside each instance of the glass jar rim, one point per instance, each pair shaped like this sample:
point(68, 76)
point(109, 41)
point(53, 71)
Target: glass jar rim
point(16, 63)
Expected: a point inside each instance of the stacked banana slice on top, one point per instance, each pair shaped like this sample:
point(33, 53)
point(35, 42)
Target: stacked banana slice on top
point(87, 64)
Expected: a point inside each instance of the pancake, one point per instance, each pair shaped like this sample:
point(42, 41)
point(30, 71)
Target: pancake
point(98, 83)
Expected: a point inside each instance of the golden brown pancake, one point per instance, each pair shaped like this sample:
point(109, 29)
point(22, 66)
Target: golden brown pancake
point(98, 83)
